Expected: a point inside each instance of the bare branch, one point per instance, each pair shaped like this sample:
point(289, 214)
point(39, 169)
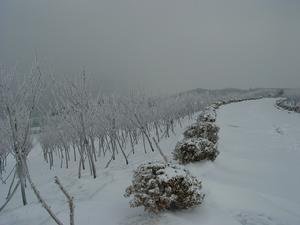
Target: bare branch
point(69, 198)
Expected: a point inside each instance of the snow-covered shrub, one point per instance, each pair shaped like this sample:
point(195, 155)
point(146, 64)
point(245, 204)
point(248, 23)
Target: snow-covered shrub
point(159, 186)
point(215, 105)
point(203, 130)
point(191, 131)
point(195, 149)
point(208, 115)
point(218, 104)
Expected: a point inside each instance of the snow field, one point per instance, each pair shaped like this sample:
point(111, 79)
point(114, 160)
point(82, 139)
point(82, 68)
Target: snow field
point(254, 181)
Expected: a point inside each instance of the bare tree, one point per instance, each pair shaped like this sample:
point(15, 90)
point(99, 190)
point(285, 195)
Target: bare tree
point(18, 96)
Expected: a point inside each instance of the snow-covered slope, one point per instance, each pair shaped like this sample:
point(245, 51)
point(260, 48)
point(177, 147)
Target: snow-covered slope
point(254, 181)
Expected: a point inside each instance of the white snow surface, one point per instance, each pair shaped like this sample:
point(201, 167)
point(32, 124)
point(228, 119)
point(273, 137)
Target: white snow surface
point(254, 181)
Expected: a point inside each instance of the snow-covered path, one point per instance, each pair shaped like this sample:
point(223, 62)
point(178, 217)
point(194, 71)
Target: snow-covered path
point(254, 181)
point(256, 177)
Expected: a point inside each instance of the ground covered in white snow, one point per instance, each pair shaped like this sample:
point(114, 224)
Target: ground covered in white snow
point(254, 181)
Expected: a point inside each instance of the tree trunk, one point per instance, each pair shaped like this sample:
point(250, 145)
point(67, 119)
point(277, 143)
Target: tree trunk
point(22, 178)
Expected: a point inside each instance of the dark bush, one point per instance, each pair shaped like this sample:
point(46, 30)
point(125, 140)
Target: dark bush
point(195, 149)
point(159, 186)
point(203, 130)
point(208, 115)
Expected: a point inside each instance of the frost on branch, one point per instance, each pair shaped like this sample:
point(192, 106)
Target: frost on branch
point(292, 103)
point(203, 130)
point(195, 149)
point(208, 115)
point(159, 186)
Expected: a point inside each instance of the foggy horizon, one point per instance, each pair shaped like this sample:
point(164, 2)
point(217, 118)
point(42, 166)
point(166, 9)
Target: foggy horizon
point(157, 46)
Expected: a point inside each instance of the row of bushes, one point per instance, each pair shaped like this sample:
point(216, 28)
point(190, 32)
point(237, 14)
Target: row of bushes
point(167, 186)
point(200, 139)
point(162, 186)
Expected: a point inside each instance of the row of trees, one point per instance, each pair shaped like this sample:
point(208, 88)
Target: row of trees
point(83, 126)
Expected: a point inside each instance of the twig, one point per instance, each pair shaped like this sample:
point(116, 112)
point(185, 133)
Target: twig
point(160, 151)
point(108, 163)
point(10, 196)
point(69, 198)
point(41, 200)
point(4, 180)
point(144, 131)
point(11, 185)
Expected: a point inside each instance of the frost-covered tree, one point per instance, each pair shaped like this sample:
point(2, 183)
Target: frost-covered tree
point(18, 100)
point(83, 126)
point(70, 123)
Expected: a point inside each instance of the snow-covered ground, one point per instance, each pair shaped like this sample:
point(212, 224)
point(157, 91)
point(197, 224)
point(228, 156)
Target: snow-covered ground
point(254, 181)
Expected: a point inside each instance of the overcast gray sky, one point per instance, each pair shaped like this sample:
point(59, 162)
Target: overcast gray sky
point(159, 45)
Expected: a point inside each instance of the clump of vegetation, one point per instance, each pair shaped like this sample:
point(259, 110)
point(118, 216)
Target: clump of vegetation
point(195, 149)
point(203, 130)
point(208, 115)
point(162, 186)
point(292, 103)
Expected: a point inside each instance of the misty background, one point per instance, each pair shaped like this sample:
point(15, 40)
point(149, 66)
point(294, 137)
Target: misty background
point(162, 46)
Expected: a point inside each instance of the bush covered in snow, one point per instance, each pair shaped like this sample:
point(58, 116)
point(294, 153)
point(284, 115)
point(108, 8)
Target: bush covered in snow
point(159, 186)
point(208, 115)
point(195, 149)
point(203, 130)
